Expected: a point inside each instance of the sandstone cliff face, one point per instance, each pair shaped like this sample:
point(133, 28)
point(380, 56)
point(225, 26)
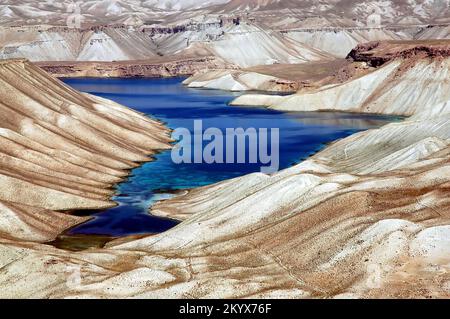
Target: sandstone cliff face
point(411, 76)
point(45, 43)
point(273, 12)
point(241, 32)
point(61, 151)
point(170, 67)
point(286, 78)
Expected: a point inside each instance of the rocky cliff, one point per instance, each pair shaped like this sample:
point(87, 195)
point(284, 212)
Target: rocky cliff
point(155, 67)
point(242, 32)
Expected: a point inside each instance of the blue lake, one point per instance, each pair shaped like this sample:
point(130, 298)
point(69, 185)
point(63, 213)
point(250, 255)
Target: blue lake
point(301, 134)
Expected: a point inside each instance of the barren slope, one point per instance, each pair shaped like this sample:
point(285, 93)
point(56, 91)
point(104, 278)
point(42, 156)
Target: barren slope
point(61, 151)
point(242, 32)
point(243, 45)
point(338, 13)
point(408, 76)
point(63, 44)
point(280, 77)
point(366, 217)
point(155, 67)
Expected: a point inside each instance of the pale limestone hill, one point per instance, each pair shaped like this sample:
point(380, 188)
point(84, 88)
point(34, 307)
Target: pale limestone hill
point(62, 150)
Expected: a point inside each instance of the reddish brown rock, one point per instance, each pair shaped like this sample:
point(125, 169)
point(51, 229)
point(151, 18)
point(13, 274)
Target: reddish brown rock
point(158, 67)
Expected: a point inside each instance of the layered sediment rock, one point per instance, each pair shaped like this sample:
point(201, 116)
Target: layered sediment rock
point(366, 217)
point(410, 77)
point(157, 67)
point(273, 12)
point(245, 33)
point(339, 41)
point(62, 151)
point(48, 43)
point(379, 52)
point(235, 80)
point(287, 78)
point(245, 44)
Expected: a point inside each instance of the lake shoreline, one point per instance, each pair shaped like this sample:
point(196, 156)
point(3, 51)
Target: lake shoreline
point(305, 123)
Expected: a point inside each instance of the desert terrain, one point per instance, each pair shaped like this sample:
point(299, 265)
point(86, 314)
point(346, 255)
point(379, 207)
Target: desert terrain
point(241, 33)
point(366, 217)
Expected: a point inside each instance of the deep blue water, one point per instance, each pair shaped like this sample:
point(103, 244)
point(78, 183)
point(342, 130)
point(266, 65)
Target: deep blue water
point(301, 134)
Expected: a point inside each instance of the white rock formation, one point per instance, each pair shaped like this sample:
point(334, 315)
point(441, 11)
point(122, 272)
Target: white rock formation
point(366, 217)
point(338, 42)
point(62, 151)
point(397, 88)
point(234, 80)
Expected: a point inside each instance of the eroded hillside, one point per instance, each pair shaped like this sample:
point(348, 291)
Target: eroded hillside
point(243, 33)
point(402, 79)
point(366, 217)
point(61, 151)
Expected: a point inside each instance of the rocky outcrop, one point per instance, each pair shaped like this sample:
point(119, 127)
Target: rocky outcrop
point(338, 41)
point(414, 79)
point(46, 43)
point(235, 80)
point(61, 151)
point(378, 53)
point(161, 67)
point(286, 78)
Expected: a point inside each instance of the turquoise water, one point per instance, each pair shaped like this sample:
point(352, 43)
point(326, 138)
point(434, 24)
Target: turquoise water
point(301, 134)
